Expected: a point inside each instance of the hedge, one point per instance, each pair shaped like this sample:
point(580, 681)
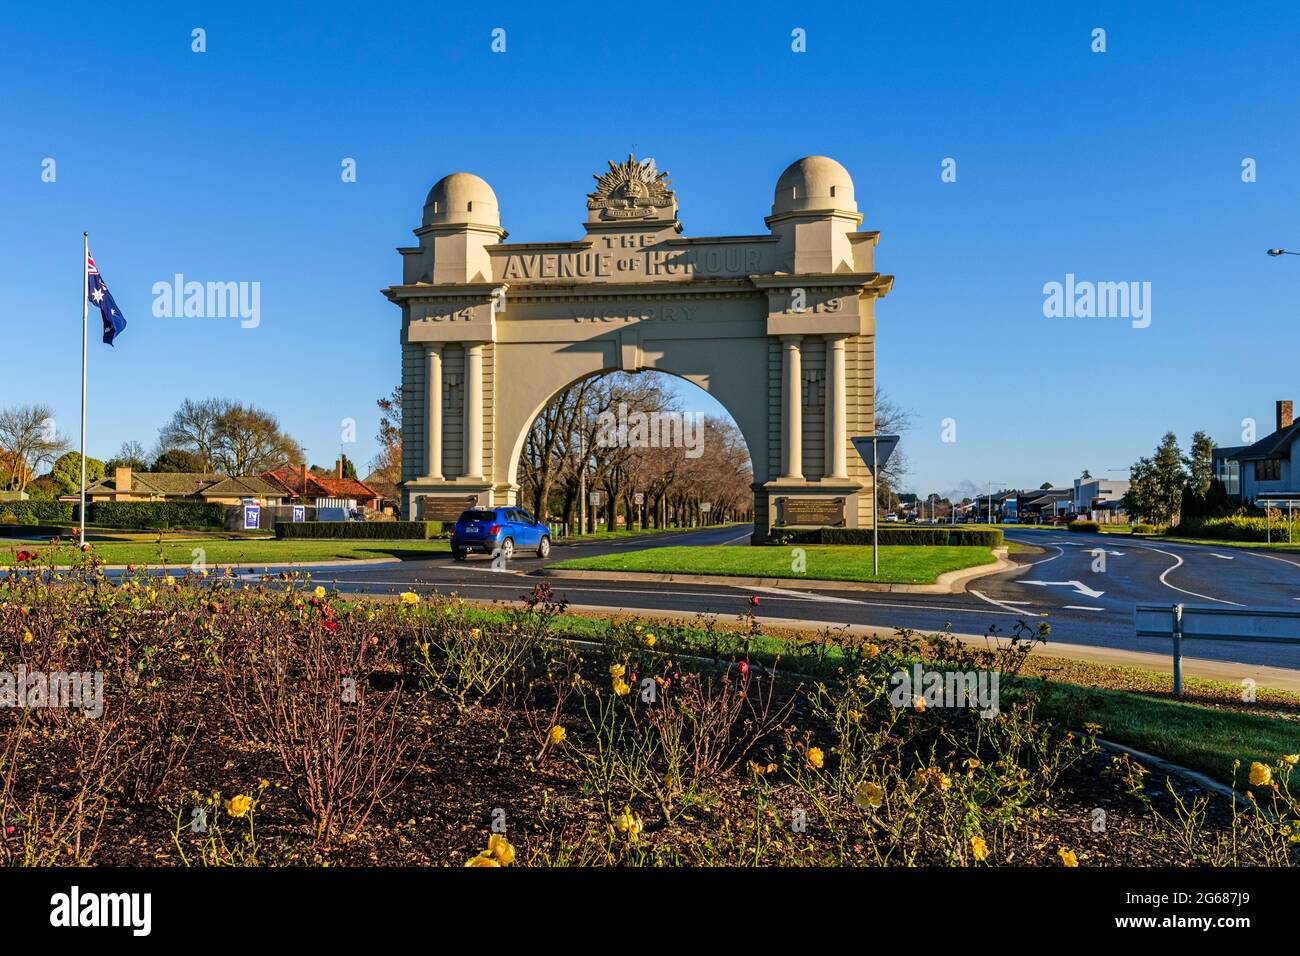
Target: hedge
point(35, 512)
point(1088, 527)
point(190, 515)
point(361, 530)
point(1236, 528)
point(936, 536)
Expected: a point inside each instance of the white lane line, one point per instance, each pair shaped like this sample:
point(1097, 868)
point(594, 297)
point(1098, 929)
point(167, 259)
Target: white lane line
point(803, 595)
point(1080, 607)
point(744, 537)
point(1174, 567)
point(567, 584)
point(479, 568)
point(1059, 552)
point(1006, 607)
point(1274, 557)
point(1223, 557)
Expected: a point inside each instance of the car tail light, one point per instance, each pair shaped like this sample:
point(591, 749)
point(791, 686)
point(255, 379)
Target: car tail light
point(494, 529)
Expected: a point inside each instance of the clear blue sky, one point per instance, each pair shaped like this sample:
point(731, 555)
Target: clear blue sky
point(1122, 166)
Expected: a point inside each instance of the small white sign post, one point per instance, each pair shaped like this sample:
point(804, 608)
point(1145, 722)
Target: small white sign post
point(705, 508)
point(881, 447)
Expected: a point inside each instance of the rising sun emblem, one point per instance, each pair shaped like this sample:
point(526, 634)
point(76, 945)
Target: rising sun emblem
point(631, 190)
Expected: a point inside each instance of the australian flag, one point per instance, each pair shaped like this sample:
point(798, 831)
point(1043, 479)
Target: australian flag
point(98, 294)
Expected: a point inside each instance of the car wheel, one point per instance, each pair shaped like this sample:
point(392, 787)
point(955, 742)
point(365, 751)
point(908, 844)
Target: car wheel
point(508, 548)
point(544, 547)
point(458, 554)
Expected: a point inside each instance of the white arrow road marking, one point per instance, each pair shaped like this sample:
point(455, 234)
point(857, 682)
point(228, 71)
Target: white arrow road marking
point(1080, 607)
point(1005, 605)
point(1077, 585)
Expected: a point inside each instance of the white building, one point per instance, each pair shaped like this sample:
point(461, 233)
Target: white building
point(1093, 497)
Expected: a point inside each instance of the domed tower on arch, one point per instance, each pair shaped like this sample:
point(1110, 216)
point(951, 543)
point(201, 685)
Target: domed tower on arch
point(778, 326)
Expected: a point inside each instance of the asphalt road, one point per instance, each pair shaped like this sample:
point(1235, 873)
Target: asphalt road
point(1065, 585)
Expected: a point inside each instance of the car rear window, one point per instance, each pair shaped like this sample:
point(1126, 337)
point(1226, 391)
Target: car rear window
point(479, 516)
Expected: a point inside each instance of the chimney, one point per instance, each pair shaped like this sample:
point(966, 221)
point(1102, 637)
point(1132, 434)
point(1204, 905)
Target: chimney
point(338, 466)
point(1284, 418)
point(122, 476)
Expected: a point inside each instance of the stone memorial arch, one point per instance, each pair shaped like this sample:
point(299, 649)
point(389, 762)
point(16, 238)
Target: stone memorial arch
point(778, 327)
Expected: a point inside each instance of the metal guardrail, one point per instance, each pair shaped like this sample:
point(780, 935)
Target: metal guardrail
point(1209, 622)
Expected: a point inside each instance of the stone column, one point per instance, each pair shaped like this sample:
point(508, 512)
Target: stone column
point(473, 409)
point(433, 411)
point(836, 409)
point(791, 409)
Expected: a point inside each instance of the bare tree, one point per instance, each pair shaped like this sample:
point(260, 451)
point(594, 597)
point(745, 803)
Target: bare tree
point(388, 463)
point(230, 437)
point(28, 439)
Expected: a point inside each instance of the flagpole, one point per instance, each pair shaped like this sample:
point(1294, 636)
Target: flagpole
point(85, 307)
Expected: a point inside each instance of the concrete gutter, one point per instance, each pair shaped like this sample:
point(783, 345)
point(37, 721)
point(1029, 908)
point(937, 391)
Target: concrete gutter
point(950, 582)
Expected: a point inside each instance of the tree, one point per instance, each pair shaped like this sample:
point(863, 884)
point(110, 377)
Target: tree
point(230, 438)
point(67, 473)
point(130, 455)
point(1045, 486)
point(1086, 476)
point(388, 463)
point(28, 439)
point(1200, 464)
point(891, 419)
point(1157, 483)
point(177, 460)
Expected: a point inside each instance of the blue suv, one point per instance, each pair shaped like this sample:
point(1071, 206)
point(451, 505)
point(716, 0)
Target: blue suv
point(504, 530)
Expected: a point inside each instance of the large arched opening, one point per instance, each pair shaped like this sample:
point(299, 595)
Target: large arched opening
point(621, 451)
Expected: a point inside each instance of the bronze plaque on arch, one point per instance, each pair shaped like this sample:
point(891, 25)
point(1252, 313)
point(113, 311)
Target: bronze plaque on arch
point(815, 512)
point(446, 508)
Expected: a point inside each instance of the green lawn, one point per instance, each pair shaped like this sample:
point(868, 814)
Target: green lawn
point(636, 531)
point(215, 551)
point(1202, 738)
point(899, 564)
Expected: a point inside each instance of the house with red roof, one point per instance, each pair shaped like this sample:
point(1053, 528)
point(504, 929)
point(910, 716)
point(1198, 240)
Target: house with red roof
point(302, 487)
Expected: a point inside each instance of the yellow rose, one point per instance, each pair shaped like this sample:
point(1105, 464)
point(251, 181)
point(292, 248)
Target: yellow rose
point(557, 735)
point(617, 670)
point(815, 757)
point(500, 848)
point(649, 640)
point(475, 633)
point(871, 650)
point(1291, 759)
point(27, 637)
point(628, 824)
point(621, 687)
point(409, 597)
point(869, 795)
point(1067, 857)
point(238, 805)
point(979, 849)
point(319, 592)
point(918, 704)
point(1261, 775)
point(482, 859)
